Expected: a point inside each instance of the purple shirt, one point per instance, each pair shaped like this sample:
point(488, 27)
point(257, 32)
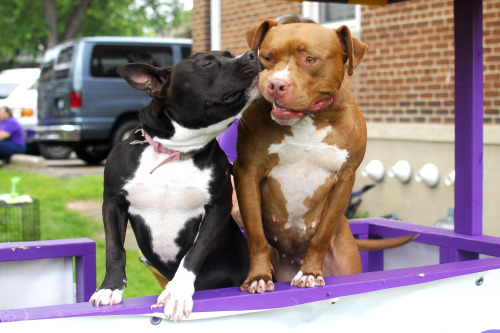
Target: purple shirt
point(15, 129)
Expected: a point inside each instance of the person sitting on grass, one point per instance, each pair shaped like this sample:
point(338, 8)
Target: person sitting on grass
point(11, 135)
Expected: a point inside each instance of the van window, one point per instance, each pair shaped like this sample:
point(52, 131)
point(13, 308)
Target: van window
point(106, 58)
point(63, 63)
point(58, 63)
point(46, 71)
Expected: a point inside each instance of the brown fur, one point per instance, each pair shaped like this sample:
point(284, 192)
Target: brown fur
point(326, 246)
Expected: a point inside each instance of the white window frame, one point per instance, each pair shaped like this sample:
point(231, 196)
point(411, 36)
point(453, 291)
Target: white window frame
point(311, 10)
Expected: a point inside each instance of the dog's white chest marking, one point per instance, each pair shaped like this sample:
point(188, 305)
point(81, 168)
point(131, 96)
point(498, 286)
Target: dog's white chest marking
point(305, 163)
point(167, 198)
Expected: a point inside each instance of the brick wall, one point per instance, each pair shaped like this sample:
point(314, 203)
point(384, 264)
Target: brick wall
point(237, 16)
point(491, 54)
point(407, 75)
point(201, 25)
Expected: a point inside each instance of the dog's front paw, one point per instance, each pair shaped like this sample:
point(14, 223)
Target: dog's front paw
point(257, 286)
point(107, 297)
point(178, 300)
point(307, 280)
point(258, 283)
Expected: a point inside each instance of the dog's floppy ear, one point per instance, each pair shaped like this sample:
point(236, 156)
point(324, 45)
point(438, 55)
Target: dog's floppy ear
point(354, 50)
point(145, 77)
point(256, 35)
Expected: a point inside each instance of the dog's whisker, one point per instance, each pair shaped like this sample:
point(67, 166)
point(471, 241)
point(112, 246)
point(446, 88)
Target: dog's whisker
point(243, 123)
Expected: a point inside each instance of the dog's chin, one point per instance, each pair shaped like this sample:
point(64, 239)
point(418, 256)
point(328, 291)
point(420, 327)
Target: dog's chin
point(286, 117)
point(285, 122)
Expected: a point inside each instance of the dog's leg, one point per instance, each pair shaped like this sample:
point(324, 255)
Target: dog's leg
point(115, 217)
point(259, 277)
point(332, 221)
point(178, 293)
point(342, 257)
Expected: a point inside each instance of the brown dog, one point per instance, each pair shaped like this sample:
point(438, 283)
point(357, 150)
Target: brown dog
point(298, 151)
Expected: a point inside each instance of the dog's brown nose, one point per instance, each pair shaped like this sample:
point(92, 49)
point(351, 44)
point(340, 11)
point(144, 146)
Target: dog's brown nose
point(277, 87)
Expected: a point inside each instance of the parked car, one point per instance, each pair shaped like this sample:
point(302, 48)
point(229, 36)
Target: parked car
point(10, 79)
point(83, 103)
point(19, 87)
point(18, 92)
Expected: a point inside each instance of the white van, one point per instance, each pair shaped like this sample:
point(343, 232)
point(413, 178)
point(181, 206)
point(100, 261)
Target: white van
point(18, 91)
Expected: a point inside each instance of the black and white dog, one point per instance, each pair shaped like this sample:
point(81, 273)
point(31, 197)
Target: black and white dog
point(171, 179)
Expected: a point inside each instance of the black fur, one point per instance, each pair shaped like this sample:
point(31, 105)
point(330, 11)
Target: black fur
point(203, 90)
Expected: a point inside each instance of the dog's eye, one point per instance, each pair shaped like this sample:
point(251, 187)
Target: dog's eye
point(232, 98)
point(310, 60)
point(206, 63)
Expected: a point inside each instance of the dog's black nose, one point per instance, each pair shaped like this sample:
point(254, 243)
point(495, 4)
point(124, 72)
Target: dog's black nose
point(249, 56)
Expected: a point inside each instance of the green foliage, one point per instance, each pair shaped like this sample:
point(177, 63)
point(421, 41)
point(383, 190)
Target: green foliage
point(59, 222)
point(24, 30)
point(113, 18)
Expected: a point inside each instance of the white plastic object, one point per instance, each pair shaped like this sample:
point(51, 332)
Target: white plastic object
point(401, 171)
point(375, 170)
point(428, 174)
point(449, 180)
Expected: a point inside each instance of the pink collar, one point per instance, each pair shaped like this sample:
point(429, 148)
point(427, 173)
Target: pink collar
point(173, 155)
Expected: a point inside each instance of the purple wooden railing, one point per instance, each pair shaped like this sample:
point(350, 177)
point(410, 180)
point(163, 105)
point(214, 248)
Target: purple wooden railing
point(231, 299)
point(458, 251)
point(82, 249)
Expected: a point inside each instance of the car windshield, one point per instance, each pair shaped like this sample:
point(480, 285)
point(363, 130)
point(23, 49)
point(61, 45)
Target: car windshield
point(6, 89)
point(12, 78)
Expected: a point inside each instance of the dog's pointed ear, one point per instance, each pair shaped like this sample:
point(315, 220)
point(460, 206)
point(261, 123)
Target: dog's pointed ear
point(145, 77)
point(353, 49)
point(256, 35)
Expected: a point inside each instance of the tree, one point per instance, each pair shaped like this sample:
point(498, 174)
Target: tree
point(50, 15)
point(22, 31)
point(30, 27)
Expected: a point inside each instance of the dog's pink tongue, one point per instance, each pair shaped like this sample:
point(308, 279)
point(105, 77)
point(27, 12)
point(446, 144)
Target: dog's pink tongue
point(283, 113)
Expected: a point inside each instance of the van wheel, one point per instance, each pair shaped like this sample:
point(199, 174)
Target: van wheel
point(91, 154)
point(54, 151)
point(123, 131)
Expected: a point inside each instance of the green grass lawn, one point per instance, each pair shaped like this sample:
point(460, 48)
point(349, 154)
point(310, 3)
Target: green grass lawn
point(59, 222)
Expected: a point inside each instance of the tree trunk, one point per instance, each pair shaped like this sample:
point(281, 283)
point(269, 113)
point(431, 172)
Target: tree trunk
point(76, 19)
point(49, 11)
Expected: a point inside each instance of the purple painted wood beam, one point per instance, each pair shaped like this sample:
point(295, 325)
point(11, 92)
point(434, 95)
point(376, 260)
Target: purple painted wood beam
point(468, 17)
point(82, 249)
point(482, 244)
point(231, 299)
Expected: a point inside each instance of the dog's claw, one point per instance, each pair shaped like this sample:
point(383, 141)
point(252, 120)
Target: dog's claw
point(177, 300)
point(107, 297)
point(259, 286)
point(307, 281)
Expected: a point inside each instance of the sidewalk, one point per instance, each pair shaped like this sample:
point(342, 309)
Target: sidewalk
point(60, 168)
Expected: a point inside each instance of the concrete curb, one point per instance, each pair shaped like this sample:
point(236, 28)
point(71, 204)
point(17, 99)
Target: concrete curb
point(34, 162)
